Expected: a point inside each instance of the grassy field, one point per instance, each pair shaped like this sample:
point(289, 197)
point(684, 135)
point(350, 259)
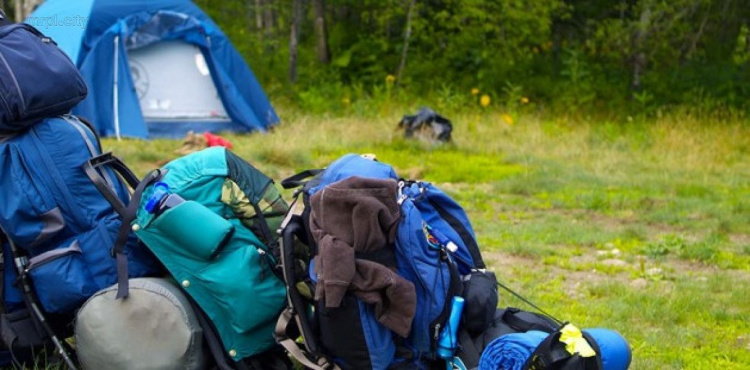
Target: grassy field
point(639, 227)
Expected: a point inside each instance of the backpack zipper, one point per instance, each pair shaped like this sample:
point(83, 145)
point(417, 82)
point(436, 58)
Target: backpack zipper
point(444, 261)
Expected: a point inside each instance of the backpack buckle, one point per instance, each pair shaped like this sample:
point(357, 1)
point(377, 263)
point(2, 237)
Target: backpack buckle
point(401, 196)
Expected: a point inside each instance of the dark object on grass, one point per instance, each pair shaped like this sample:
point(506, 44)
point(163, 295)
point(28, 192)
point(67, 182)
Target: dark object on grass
point(427, 121)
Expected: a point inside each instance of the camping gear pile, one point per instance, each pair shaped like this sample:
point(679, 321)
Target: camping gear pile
point(203, 264)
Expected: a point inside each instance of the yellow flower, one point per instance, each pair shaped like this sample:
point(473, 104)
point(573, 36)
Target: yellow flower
point(345, 101)
point(390, 79)
point(475, 91)
point(484, 100)
point(507, 118)
point(536, 50)
point(524, 100)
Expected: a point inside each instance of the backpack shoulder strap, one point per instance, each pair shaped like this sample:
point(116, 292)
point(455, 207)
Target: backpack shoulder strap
point(93, 170)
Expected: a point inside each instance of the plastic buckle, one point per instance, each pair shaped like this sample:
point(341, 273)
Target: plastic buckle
point(401, 196)
point(21, 262)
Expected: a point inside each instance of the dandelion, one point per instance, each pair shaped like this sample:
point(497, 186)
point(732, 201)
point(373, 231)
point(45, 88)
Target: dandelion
point(346, 101)
point(507, 118)
point(475, 91)
point(484, 100)
point(524, 100)
point(390, 79)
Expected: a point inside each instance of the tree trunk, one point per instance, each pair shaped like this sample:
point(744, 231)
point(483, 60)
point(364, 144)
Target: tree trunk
point(321, 34)
point(29, 6)
point(407, 37)
point(19, 10)
point(639, 53)
point(268, 25)
point(258, 14)
point(685, 56)
point(294, 39)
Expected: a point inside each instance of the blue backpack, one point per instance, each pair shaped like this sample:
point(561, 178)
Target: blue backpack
point(58, 230)
point(37, 79)
point(435, 250)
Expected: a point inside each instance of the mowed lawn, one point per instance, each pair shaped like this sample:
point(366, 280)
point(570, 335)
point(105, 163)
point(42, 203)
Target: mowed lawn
point(639, 227)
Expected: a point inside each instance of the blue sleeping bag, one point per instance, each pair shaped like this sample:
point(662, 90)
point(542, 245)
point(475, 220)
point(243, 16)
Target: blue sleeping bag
point(511, 351)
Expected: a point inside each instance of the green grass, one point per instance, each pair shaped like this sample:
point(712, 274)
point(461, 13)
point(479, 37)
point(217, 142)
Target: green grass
point(642, 227)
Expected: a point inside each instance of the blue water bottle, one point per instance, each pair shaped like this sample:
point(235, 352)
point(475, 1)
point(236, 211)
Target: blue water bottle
point(161, 199)
point(448, 340)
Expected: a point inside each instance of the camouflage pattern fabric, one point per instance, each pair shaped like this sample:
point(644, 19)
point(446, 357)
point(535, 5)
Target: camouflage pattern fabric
point(271, 205)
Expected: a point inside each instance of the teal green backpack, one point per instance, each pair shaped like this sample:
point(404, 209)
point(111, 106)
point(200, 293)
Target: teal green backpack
point(218, 242)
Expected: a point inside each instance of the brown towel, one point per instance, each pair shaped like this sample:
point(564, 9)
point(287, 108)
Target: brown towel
point(360, 215)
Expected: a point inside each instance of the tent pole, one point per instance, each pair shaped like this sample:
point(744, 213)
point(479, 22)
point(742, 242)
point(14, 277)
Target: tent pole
point(114, 93)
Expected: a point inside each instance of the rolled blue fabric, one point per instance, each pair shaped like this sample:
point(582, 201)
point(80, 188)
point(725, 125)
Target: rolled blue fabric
point(510, 352)
point(613, 348)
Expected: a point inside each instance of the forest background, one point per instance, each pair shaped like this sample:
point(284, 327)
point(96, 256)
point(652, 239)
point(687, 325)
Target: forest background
point(604, 57)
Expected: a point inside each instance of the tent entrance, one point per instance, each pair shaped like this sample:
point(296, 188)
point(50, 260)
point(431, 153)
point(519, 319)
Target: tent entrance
point(173, 83)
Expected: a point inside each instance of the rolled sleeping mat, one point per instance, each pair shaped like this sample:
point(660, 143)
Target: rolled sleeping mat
point(155, 327)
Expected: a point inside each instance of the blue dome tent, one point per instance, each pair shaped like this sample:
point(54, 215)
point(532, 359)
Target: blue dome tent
point(155, 68)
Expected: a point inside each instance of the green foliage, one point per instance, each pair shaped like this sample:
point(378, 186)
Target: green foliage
point(570, 57)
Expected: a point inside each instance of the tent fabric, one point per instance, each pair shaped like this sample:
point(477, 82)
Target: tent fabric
point(115, 27)
point(47, 16)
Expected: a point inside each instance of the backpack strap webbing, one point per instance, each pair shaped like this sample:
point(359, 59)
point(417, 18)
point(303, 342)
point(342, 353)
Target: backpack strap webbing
point(128, 213)
point(92, 170)
point(298, 180)
point(291, 324)
point(532, 321)
point(284, 326)
point(118, 250)
point(552, 353)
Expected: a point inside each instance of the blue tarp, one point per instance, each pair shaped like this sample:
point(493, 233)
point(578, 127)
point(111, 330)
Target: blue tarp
point(97, 35)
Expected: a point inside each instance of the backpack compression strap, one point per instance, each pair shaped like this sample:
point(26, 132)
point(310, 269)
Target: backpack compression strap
point(118, 250)
point(128, 214)
point(291, 324)
point(299, 179)
point(566, 349)
point(283, 326)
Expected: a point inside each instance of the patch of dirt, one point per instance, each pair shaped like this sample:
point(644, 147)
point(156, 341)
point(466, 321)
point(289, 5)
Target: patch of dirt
point(740, 239)
point(506, 264)
point(624, 271)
